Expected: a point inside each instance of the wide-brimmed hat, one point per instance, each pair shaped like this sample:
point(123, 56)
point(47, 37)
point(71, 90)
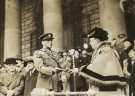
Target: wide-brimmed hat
point(98, 33)
point(46, 37)
point(12, 60)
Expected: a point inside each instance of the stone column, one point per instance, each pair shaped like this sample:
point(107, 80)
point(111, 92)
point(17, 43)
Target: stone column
point(111, 17)
point(52, 15)
point(12, 29)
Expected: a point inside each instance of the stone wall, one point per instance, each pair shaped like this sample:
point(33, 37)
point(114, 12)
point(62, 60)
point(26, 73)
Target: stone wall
point(30, 29)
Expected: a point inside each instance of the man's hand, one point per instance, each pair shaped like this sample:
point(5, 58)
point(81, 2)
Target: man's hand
point(75, 70)
point(10, 93)
point(57, 69)
point(29, 67)
point(126, 73)
point(81, 68)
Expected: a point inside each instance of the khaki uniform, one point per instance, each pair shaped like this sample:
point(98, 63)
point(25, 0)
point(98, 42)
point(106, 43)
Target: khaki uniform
point(45, 62)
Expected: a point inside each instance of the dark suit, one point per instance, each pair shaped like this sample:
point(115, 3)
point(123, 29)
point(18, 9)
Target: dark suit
point(30, 83)
point(12, 81)
point(132, 78)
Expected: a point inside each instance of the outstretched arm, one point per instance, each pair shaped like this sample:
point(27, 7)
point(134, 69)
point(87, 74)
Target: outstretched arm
point(40, 67)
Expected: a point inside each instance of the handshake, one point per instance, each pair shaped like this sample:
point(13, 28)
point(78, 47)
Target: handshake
point(74, 70)
point(77, 70)
point(57, 69)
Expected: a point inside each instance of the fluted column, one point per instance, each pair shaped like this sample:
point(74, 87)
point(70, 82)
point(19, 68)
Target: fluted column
point(12, 29)
point(52, 15)
point(111, 17)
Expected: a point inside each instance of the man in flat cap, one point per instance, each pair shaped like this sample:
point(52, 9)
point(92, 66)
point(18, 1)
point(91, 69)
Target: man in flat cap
point(104, 71)
point(46, 63)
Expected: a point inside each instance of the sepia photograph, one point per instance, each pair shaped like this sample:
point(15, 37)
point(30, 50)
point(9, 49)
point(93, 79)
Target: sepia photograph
point(67, 47)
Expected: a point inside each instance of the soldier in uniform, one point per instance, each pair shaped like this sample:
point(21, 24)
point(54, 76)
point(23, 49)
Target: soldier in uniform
point(104, 71)
point(46, 63)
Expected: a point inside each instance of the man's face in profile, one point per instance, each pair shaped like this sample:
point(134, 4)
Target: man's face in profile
point(93, 42)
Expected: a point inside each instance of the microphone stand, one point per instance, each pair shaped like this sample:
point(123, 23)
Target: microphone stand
point(131, 83)
point(74, 74)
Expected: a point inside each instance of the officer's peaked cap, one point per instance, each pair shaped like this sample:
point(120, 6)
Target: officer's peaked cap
point(46, 37)
point(98, 33)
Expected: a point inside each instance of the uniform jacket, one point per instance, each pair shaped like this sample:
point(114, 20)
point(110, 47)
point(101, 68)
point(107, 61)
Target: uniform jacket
point(45, 61)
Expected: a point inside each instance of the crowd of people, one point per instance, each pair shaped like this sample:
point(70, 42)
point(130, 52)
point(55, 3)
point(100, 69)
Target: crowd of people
point(100, 65)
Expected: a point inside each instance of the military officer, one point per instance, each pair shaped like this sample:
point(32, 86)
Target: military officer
point(46, 63)
point(104, 71)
